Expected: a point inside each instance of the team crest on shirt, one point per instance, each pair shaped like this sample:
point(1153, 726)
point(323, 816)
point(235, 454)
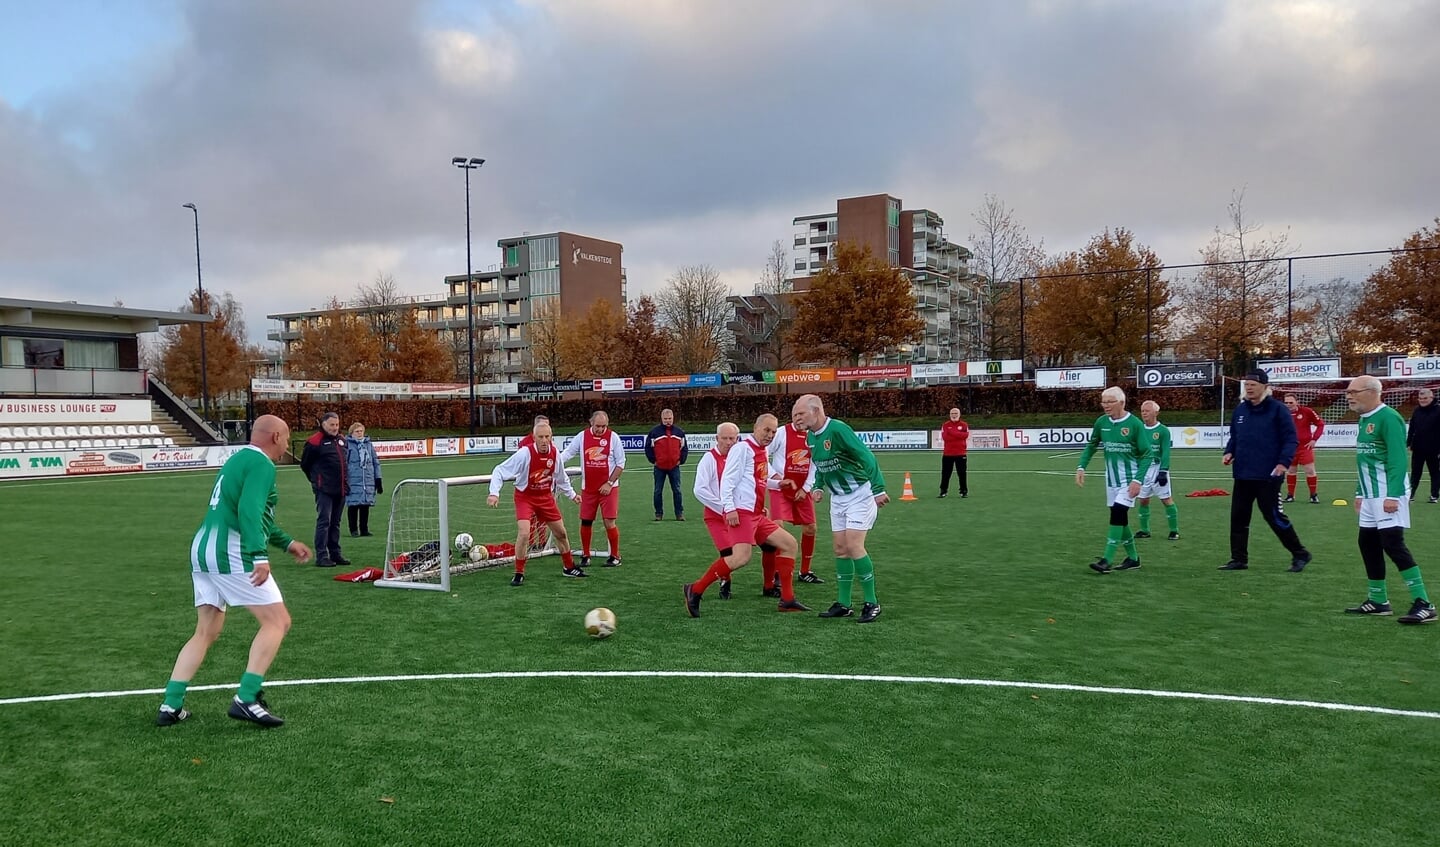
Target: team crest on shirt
point(549, 463)
point(826, 442)
point(1369, 428)
point(595, 454)
point(1124, 430)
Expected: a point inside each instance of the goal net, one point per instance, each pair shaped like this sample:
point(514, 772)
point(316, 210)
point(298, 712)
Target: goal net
point(442, 527)
point(1329, 401)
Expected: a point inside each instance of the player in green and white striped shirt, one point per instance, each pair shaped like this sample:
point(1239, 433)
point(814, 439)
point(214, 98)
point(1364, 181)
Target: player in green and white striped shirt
point(1128, 457)
point(1157, 482)
point(847, 469)
point(230, 567)
point(1382, 503)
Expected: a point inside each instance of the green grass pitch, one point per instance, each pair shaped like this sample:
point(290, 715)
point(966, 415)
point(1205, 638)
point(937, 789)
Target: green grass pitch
point(96, 598)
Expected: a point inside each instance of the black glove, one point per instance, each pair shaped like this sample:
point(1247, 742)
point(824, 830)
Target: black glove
point(1162, 478)
point(379, 488)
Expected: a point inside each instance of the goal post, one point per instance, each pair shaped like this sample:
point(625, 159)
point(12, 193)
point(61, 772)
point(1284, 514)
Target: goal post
point(429, 516)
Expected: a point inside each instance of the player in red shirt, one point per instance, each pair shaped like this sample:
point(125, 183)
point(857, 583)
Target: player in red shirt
point(602, 460)
point(537, 472)
point(1308, 427)
point(529, 438)
point(539, 535)
point(790, 462)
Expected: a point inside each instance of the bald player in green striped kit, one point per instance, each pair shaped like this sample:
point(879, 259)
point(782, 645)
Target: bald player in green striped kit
point(230, 567)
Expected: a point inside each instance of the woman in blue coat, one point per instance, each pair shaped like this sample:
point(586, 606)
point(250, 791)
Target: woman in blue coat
point(363, 472)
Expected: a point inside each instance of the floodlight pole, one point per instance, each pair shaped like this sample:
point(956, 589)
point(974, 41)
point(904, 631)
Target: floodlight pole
point(469, 165)
point(200, 290)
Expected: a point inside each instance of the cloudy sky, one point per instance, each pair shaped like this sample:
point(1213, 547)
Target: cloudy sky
point(316, 136)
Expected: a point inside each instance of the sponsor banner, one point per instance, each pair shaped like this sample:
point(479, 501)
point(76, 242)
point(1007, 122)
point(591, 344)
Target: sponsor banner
point(938, 370)
point(440, 389)
point(873, 372)
point(447, 447)
point(1339, 435)
point(980, 439)
point(484, 444)
point(50, 411)
point(1060, 436)
point(553, 387)
point(706, 380)
point(682, 381)
point(409, 449)
point(271, 386)
point(1211, 437)
point(318, 386)
point(386, 388)
point(994, 367)
point(750, 378)
point(812, 375)
point(1047, 378)
point(175, 459)
point(916, 439)
point(613, 384)
point(1410, 367)
point(1177, 375)
point(699, 444)
point(1300, 370)
point(497, 389)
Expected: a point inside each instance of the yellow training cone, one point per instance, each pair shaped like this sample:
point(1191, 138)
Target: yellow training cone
point(1339, 503)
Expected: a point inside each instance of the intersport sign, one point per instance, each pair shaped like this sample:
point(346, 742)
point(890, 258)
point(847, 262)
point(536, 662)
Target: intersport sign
point(1176, 375)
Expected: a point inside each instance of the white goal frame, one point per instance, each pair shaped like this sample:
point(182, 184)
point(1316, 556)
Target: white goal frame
point(449, 564)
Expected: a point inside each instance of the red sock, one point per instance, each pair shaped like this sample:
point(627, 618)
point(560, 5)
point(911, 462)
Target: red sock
point(567, 559)
point(1290, 485)
point(613, 533)
point(1313, 482)
point(519, 565)
point(785, 567)
point(585, 539)
point(718, 570)
point(767, 565)
point(807, 551)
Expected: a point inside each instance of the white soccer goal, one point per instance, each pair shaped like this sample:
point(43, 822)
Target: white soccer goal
point(428, 515)
point(1329, 402)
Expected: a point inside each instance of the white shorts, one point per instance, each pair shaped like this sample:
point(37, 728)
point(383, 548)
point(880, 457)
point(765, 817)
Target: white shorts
point(1119, 496)
point(856, 510)
point(1150, 488)
point(1373, 514)
point(233, 589)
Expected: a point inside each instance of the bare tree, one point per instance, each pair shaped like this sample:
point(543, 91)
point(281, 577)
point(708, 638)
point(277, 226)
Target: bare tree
point(1332, 327)
point(547, 345)
point(1003, 254)
point(382, 307)
point(694, 306)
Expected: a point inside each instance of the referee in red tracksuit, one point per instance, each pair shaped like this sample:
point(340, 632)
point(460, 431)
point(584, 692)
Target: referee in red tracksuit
point(667, 450)
point(954, 434)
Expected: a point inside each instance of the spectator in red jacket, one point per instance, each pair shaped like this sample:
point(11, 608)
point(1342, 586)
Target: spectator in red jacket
point(954, 434)
point(667, 450)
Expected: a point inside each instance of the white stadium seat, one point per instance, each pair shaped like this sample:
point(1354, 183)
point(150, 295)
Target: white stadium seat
point(4, 432)
point(72, 445)
point(85, 431)
point(32, 432)
point(108, 431)
point(47, 445)
point(32, 446)
point(85, 444)
point(45, 432)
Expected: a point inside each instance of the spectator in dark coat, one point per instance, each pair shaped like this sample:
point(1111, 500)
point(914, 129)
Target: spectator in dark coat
point(323, 461)
point(1261, 447)
point(667, 450)
point(1423, 440)
point(362, 473)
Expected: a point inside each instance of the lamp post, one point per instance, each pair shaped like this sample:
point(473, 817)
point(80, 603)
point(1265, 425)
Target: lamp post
point(469, 165)
point(200, 290)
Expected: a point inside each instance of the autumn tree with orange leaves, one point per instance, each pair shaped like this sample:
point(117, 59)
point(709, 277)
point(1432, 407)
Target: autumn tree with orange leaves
point(644, 344)
point(856, 307)
point(1401, 304)
point(590, 344)
point(228, 356)
point(336, 345)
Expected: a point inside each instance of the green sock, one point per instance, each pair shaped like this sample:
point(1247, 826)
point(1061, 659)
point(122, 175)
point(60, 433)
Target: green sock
point(250, 687)
point(1415, 584)
point(175, 693)
point(1378, 594)
point(844, 580)
point(1129, 539)
point(865, 569)
point(1112, 541)
point(1144, 513)
point(1172, 516)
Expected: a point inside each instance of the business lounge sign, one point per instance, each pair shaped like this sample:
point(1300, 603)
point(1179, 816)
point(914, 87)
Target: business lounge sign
point(1178, 375)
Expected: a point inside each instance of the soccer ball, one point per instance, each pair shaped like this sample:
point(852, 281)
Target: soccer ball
point(600, 623)
point(478, 553)
point(463, 542)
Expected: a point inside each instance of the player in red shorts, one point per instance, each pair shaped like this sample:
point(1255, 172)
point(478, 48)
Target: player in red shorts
point(792, 504)
point(1308, 428)
point(707, 490)
point(743, 482)
point(537, 473)
point(602, 460)
point(539, 534)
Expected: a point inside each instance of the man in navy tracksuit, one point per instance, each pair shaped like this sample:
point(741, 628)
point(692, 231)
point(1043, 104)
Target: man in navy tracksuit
point(323, 461)
point(667, 450)
point(1261, 447)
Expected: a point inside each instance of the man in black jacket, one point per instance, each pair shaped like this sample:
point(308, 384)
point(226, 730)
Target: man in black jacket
point(1424, 443)
point(1261, 447)
point(323, 461)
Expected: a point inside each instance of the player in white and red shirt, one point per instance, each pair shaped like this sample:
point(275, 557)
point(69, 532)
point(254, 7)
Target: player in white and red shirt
point(1308, 428)
point(602, 460)
point(537, 473)
point(707, 490)
point(790, 461)
point(539, 535)
point(741, 500)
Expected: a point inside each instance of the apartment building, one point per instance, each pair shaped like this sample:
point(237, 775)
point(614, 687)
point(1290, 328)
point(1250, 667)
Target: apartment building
point(562, 270)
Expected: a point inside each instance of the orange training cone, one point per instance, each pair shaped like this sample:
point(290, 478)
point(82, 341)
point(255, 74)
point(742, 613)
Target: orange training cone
point(909, 492)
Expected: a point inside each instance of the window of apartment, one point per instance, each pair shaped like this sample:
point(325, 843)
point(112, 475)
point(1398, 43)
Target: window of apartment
point(512, 333)
point(544, 253)
point(799, 264)
point(512, 256)
point(512, 309)
point(512, 285)
point(490, 334)
point(514, 358)
point(543, 283)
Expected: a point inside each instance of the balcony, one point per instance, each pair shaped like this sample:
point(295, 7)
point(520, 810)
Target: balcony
point(86, 381)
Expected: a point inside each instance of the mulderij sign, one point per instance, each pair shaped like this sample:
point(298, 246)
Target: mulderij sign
point(1176, 375)
point(1300, 370)
point(1410, 367)
point(1069, 377)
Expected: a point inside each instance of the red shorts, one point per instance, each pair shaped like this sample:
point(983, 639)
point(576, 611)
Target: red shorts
point(753, 529)
point(608, 505)
point(1303, 456)
point(800, 512)
point(540, 507)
